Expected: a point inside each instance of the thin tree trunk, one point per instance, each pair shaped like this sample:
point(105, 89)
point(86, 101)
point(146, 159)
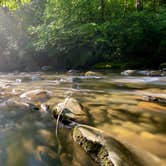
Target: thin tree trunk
point(139, 5)
point(125, 5)
point(102, 9)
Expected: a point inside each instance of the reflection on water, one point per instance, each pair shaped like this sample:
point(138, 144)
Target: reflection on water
point(113, 103)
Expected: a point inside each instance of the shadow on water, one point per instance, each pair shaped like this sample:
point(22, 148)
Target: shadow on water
point(28, 139)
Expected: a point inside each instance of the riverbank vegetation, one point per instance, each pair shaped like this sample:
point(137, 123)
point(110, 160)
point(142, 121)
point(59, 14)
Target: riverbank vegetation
point(81, 34)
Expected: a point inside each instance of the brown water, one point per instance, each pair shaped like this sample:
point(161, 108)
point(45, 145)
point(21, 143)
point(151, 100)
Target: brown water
point(113, 103)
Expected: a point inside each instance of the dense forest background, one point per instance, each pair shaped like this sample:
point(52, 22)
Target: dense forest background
point(79, 34)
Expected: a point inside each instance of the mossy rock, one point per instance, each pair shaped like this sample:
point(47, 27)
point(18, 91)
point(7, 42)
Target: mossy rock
point(103, 149)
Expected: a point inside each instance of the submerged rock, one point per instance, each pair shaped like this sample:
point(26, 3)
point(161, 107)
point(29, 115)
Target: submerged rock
point(163, 72)
point(36, 95)
point(92, 73)
point(12, 104)
point(103, 149)
point(135, 73)
point(46, 68)
point(128, 72)
point(152, 73)
point(36, 78)
point(155, 73)
point(18, 80)
point(72, 71)
point(70, 109)
point(154, 98)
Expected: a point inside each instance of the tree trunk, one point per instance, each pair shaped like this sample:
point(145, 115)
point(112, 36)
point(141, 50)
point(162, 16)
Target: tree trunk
point(102, 9)
point(139, 5)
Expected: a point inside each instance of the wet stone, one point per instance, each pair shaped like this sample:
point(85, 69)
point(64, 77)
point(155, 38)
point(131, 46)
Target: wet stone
point(103, 149)
point(70, 109)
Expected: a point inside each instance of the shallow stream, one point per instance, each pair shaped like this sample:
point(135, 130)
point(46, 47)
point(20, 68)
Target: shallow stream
point(113, 103)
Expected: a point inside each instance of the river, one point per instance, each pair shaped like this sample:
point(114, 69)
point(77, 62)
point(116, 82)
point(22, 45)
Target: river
point(114, 103)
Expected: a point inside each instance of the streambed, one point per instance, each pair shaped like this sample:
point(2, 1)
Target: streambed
point(113, 103)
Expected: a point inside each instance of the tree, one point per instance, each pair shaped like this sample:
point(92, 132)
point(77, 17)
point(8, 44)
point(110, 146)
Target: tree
point(60, 31)
point(13, 4)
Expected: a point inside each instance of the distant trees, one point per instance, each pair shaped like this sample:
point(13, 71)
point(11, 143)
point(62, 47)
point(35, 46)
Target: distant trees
point(80, 33)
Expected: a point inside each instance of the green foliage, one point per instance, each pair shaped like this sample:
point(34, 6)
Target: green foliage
point(13, 4)
point(81, 33)
point(75, 30)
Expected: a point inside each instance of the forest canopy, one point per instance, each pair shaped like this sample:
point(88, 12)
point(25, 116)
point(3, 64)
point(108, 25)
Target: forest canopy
point(81, 34)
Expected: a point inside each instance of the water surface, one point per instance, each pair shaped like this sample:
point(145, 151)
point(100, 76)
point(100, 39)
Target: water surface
point(113, 103)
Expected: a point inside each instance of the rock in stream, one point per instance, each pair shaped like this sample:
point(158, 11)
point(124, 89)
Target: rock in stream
point(70, 109)
point(103, 149)
point(107, 151)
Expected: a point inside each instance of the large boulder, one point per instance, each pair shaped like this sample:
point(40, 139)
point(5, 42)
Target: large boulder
point(103, 149)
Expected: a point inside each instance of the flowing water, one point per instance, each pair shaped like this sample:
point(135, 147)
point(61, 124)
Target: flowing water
point(113, 103)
